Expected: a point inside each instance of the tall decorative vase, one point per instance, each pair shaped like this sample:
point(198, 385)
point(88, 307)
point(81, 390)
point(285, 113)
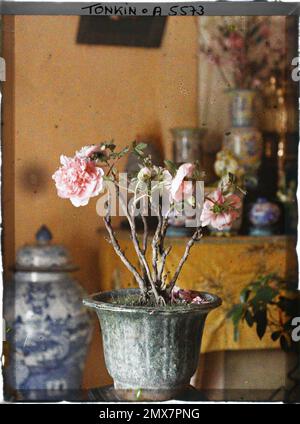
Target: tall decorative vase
point(243, 139)
point(48, 329)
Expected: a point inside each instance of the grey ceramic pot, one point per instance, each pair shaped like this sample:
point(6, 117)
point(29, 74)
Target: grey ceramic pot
point(151, 353)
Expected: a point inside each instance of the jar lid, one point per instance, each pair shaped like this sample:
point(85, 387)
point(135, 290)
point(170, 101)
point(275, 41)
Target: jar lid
point(44, 256)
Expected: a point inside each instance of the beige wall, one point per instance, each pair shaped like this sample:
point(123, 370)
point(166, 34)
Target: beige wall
point(60, 96)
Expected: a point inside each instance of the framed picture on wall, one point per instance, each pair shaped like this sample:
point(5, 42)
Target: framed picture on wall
point(133, 31)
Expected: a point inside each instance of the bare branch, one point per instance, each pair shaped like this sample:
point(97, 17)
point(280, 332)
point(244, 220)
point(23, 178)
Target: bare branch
point(141, 256)
point(196, 236)
point(165, 224)
point(155, 245)
point(163, 262)
point(145, 236)
point(119, 252)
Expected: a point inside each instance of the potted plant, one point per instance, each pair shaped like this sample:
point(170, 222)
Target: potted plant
point(151, 334)
point(270, 305)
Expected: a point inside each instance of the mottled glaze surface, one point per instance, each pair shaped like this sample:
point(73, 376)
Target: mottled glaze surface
point(150, 351)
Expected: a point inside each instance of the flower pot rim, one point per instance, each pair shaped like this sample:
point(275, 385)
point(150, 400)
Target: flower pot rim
point(94, 301)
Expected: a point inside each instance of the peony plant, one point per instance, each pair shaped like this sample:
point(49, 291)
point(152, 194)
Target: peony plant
point(164, 191)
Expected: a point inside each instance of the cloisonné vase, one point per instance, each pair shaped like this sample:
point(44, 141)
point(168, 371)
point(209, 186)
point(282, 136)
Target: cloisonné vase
point(243, 139)
point(263, 216)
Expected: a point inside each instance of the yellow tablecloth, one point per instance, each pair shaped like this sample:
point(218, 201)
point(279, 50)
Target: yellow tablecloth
point(219, 265)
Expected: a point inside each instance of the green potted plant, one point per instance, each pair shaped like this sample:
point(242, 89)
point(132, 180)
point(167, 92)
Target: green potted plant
point(270, 304)
point(152, 334)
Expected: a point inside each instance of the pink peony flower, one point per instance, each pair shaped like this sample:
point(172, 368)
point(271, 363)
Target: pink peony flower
point(220, 211)
point(87, 151)
point(78, 180)
point(179, 187)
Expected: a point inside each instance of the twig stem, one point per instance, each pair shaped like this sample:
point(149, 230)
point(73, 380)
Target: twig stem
point(196, 236)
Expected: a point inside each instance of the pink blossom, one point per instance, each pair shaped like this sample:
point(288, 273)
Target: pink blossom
point(179, 187)
point(167, 178)
point(234, 41)
point(256, 83)
point(265, 30)
point(213, 59)
point(187, 296)
point(78, 180)
point(87, 151)
point(144, 174)
point(176, 289)
point(199, 300)
point(220, 211)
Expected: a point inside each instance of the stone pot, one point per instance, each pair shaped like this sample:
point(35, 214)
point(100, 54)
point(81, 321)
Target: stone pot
point(151, 353)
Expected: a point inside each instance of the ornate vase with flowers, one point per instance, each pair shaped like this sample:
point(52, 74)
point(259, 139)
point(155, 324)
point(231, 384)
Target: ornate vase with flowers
point(243, 139)
point(151, 334)
point(244, 56)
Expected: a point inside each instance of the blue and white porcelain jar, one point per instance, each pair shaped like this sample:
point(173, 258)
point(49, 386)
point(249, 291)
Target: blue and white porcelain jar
point(263, 216)
point(47, 326)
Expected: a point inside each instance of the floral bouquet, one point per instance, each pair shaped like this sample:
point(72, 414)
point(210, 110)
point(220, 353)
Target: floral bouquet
point(164, 190)
point(243, 46)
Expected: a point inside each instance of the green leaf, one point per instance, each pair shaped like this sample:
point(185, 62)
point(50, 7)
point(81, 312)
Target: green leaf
point(236, 312)
point(275, 335)
point(122, 152)
point(245, 294)
point(256, 285)
point(138, 148)
point(141, 146)
point(236, 333)
point(171, 166)
point(284, 343)
point(249, 318)
point(289, 306)
point(265, 294)
point(261, 322)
